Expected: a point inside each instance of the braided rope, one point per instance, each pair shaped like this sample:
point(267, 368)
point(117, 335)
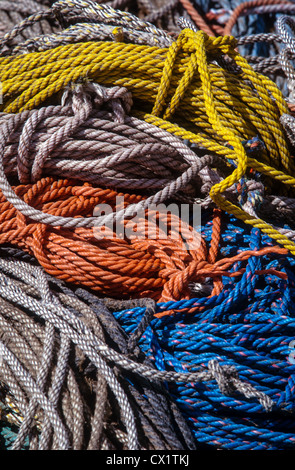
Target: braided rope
point(249, 325)
point(55, 311)
point(201, 45)
point(34, 302)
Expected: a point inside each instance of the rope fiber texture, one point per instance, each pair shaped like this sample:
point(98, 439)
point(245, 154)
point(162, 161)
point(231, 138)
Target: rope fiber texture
point(101, 106)
point(210, 115)
point(249, 326)
point(60, 378)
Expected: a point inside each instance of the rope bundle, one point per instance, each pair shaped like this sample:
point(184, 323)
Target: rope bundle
point(27, 83)
point(249, 326)
point(106, 265)
point(103, 147)
point(183, 119)
point(57, 389)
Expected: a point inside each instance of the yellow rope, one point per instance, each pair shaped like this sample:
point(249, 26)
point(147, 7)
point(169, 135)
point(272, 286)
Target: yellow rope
point(179, 89)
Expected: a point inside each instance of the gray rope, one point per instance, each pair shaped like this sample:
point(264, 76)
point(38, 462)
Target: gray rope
point(288, 122)
point(41, 380)
point(187, 23)
point(31, 283)
point(164, 10)
point(13, 12)
point(93, 22)
point(30, 384)
point(72, 326)
point(269, 9)
point(190, 163)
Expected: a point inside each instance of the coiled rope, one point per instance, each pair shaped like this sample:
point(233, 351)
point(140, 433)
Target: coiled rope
point(55, 390)
point(71, 322)
point(249, 326)
point(149, 81)
point(120, 151)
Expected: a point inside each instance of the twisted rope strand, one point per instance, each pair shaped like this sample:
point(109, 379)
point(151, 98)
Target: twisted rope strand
point(199, 42)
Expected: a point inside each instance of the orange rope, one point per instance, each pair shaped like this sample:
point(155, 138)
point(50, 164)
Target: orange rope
point(213, 252)
point(197, 18)
point(157, 267)
point(244, 6)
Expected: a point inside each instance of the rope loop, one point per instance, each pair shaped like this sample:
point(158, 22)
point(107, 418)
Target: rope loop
point(79, 95)
point(196, 44)
point(201, 99)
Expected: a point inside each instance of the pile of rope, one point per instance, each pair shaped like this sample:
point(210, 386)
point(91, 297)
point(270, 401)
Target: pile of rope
point(122, 325)
point(248, 326)
point(63, 384)
point(51, 339)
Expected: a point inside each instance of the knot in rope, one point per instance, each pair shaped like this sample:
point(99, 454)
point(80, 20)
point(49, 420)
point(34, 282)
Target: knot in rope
point(190, 42)
point(198, 45)
point(229, 382)
point(94, 95)
point(78, 101)
point(225, 375)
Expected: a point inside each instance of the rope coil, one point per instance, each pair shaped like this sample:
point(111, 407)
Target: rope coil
point(197, 75)
point(249, 325)
point(105, 109)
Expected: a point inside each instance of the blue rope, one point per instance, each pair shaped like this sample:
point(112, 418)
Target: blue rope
point(8, 434)
point(250, 326)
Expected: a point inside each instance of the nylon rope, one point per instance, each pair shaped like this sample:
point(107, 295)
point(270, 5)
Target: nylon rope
point(163, 341)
